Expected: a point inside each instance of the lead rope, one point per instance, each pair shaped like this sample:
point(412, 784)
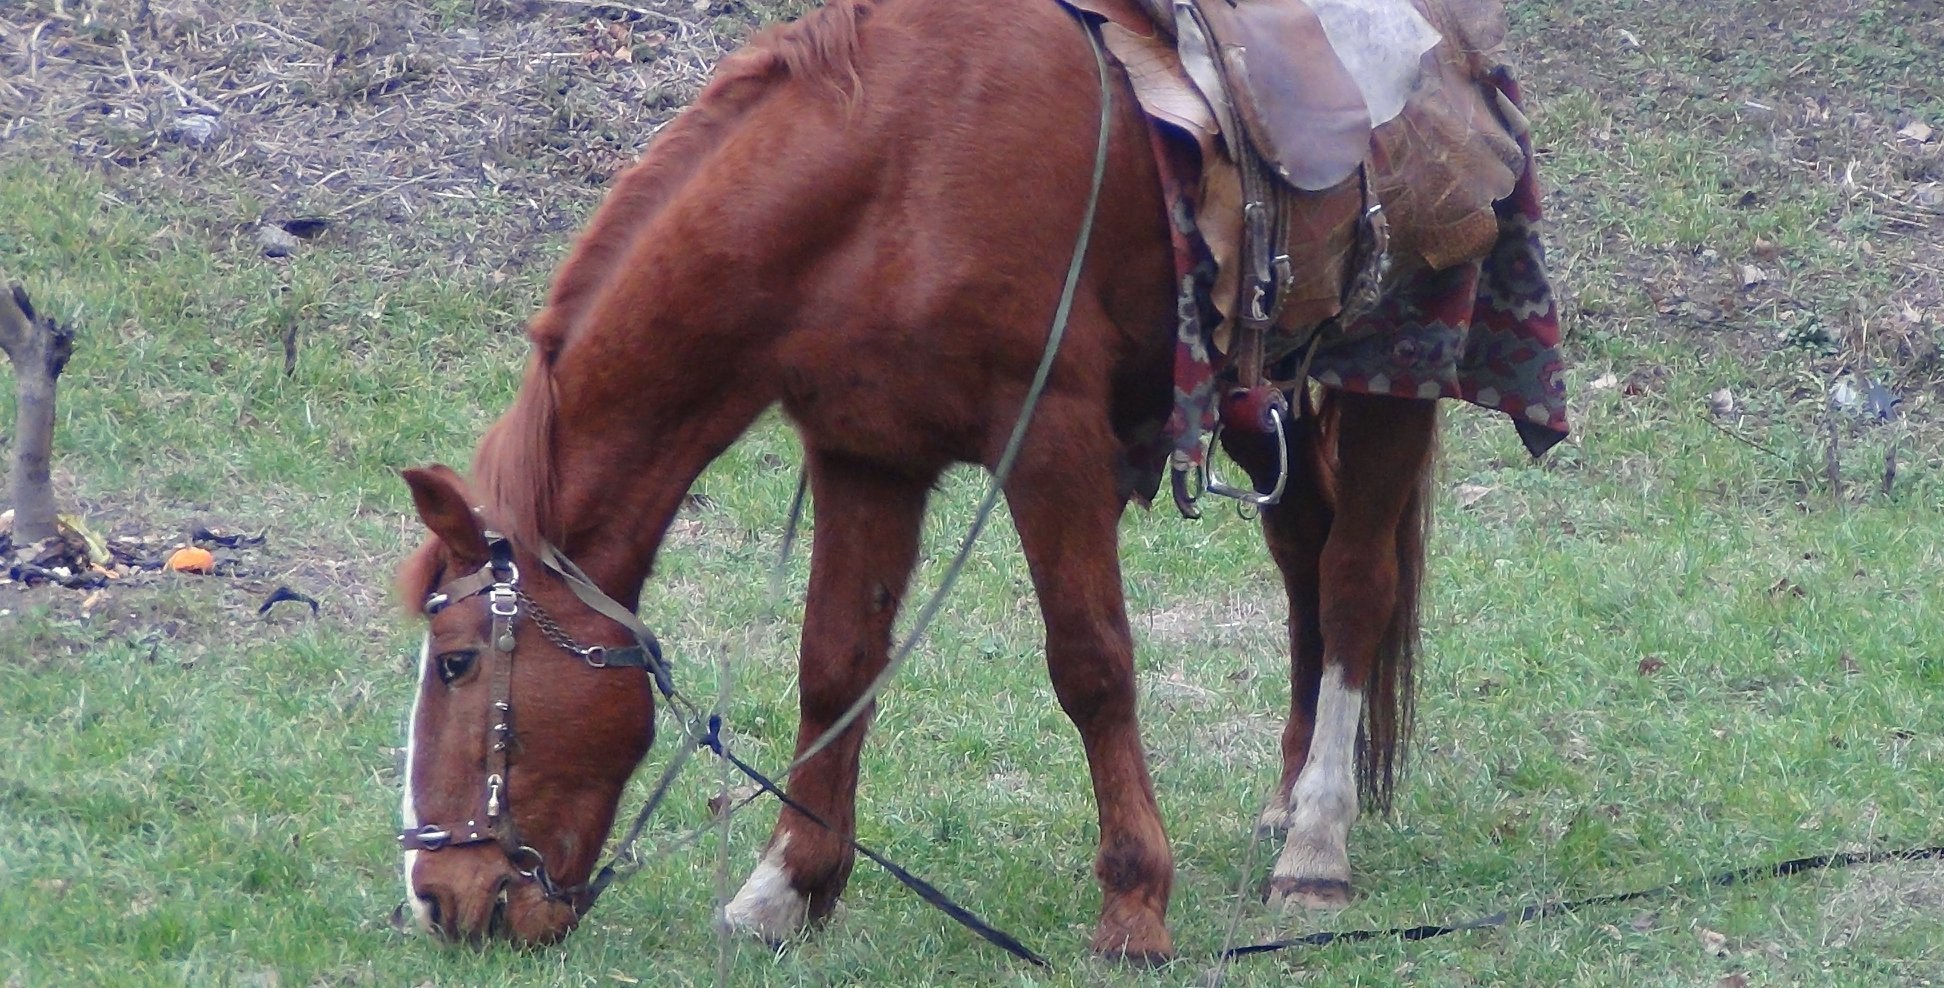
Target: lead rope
point(625, 860)
point(1545, 910)
point(1214, 980)
point(723, 808)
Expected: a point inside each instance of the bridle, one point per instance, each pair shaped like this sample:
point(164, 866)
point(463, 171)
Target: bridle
point(492, 820)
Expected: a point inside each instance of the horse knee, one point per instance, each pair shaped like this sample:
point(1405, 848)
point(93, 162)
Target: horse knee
point(1093, 681)
point(826, 690)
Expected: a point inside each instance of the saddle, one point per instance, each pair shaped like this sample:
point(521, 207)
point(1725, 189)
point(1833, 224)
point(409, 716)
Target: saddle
point(1349, 187)
point(1333, 132)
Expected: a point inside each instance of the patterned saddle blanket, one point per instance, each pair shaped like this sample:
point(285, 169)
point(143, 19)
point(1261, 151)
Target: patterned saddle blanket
point(1394, 135)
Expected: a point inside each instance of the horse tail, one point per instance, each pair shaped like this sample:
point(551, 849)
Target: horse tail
point(1390, 694)
point(1390, 702)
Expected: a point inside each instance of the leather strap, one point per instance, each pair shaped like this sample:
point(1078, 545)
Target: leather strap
point(646, 653)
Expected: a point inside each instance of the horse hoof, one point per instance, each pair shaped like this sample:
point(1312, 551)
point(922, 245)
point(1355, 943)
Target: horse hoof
point(1144, 943)
point(768, 907)
point(1309, 893)
point(1146, 960)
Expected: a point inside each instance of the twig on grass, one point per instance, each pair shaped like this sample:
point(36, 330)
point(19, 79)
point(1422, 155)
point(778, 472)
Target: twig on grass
point(1833, 463)
point(1738, 437)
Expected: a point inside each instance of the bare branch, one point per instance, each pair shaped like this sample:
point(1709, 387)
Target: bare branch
point(39, 350)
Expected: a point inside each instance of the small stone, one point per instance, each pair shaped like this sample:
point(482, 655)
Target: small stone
point(276, 241)
point(465, 42)
point(1918, 131)
point(1843, 396)
point(1470, 494)
point(1722, 402)
point(1714, 943)
point(196, 129)
point(1752, 276)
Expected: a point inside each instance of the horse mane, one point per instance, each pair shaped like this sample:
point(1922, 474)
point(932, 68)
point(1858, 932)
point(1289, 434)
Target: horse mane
point(514, 464)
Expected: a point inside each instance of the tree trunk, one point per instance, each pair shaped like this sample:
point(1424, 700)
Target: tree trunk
point(39, 350)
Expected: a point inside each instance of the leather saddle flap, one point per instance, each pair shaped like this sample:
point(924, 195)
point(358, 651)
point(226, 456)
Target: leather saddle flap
point(1303, 110)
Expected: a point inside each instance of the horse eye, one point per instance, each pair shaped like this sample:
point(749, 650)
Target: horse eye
point(453, 665)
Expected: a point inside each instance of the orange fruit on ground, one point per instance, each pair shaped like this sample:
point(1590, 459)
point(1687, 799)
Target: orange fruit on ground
point(190, 560)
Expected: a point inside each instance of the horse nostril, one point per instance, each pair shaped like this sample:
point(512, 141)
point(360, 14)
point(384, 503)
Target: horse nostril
point(434, 912)
point(496, 925)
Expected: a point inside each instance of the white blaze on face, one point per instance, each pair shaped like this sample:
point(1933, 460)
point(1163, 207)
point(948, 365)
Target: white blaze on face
point(408, 812)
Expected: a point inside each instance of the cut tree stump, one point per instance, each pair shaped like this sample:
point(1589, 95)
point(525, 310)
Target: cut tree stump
point(39, 350)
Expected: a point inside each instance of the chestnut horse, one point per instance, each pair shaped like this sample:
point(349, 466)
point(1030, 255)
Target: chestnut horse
point(865, 218)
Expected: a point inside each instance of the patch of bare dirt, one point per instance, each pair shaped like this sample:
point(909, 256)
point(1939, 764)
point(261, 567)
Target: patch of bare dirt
point(358, 117)
point(1841, 96)
point(1883, 900)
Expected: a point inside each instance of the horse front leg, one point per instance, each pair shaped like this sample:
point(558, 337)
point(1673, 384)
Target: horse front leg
point(1367, 611)
point(863, 551)
point(1063, 503)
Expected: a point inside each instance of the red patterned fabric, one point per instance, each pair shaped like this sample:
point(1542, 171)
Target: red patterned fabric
point(1484, 331)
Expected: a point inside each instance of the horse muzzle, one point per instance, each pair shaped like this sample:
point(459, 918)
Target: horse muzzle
point(476, 900)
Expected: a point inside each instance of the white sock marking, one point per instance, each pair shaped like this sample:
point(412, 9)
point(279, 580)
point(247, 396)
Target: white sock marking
point(1325, 796)
point(767, 906)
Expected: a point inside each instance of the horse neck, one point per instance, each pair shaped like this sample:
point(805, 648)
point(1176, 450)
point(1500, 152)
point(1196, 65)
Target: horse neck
point(635, 425)
point(671, 355)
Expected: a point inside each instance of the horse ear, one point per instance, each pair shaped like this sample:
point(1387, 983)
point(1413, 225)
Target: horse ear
point(444, 505)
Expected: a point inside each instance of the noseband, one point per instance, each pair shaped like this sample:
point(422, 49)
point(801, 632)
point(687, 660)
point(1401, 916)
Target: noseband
point(492, 821)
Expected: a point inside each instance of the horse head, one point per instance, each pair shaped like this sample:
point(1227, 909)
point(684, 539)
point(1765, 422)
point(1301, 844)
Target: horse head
point(532, 710)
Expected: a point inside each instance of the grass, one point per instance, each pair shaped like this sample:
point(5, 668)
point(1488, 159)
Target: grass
point(1662, 652)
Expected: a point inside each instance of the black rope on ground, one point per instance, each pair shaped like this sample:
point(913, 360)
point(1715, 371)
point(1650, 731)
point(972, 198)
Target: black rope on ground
point(1738, 876)
point(926, 891)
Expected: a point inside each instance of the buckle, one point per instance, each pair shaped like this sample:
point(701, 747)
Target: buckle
point(503, 601)
point(430, 837)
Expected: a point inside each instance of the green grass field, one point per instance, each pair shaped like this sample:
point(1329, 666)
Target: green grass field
point(1679, 644)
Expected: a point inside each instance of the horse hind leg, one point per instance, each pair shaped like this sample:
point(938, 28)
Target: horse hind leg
point(1366, 615)
point(1294, 529)
point(863, 550)
point(1064, 505)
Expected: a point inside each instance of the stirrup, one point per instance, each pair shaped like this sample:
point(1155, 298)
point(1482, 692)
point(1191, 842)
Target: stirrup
point(1249, 495)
